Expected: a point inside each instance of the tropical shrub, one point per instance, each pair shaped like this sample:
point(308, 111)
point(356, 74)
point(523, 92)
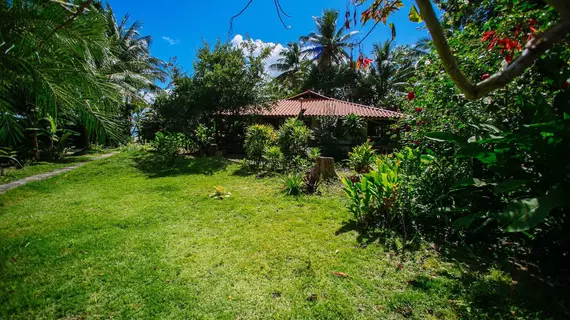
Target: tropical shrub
point(273, 159)
point(373, 197)
point(311, 182)
point(168, 144)
point(327, 135)
point(362, 157)
point(293, 139)
point(257, 138)
point(293, 183)
point(354, 129)
point(313, 153)
point(204, 136)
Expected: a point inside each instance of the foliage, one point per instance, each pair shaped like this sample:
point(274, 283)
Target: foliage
point(329, 42)
point(70, 63)
point(258, 137)
point(354, 129)
point(273, 159)
point(311, 182)
point(371, 199)
point(362, 157)
point(227, 80)
point(169, 144)
point(293, 139)
point(220, 193)
point(292, 183)
point(204, 136)
point(8, 155)
point(57, 137)
point(313, 153)
point(326, 135)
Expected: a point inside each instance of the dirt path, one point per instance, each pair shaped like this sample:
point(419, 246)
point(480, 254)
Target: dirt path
point(43, 176)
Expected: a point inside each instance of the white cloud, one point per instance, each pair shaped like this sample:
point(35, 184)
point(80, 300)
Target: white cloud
point(259, 45)
point(170, 40)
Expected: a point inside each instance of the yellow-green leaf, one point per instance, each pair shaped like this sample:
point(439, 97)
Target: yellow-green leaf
point(414, 15)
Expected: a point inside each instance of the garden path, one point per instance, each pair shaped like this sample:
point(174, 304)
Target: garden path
point(47, 175)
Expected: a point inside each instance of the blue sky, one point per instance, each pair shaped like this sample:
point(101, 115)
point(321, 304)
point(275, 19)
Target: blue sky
point(179, 27)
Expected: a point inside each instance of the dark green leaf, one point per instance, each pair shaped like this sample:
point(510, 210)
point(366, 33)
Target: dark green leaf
point(528, 213)
point(445, 136)
point(509, 185)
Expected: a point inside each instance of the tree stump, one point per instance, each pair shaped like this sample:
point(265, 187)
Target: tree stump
point(325, 168)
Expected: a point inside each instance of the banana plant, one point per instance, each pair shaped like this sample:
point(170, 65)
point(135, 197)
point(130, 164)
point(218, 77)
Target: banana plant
point(57, 136)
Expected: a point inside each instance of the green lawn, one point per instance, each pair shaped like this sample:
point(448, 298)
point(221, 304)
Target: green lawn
point(111, 240)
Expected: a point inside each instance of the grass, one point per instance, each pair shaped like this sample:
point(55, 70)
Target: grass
point(117, 239)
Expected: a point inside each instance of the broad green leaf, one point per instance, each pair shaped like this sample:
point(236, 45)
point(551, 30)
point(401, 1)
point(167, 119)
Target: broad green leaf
point(509, 185)
point(490, 128)
point(445, 136)
point(414, 15)
point(463, 222)
point(469, 182)
point(528, 213)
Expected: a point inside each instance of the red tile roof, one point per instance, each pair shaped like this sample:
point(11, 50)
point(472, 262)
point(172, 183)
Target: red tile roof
point(315, 104)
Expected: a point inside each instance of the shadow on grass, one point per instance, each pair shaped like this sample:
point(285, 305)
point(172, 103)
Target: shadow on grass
point(155, 166)
point(365, 236)
point(495, 282)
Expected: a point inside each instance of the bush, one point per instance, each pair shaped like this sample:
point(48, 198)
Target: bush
point(362, 157)
point(293, 139)
point(354, 129)
point(169, 144)
point(313, 154)
point(373, 197)
point(204, 136)
point(273, 159)
point(327, 136)
point(293, 183)
point(257, 138)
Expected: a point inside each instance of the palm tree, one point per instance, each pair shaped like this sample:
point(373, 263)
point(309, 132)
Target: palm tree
point(131, 66)
point(328, 43)
point(289, 64)
point(48, 61)
point(393, 67)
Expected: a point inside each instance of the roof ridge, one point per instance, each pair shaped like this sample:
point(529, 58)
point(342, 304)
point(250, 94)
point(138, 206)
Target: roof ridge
point(307, 92)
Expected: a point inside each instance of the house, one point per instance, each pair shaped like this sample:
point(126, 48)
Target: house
point(309, 106)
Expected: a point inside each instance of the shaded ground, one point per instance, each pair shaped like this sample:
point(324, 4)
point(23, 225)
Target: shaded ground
point(115, 240)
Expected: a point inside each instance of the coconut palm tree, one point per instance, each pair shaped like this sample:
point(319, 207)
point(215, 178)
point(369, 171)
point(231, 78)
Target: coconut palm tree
point(48, 61)
point(131, 66)
point(290, 63)
point(393, 67)
point(328, 43)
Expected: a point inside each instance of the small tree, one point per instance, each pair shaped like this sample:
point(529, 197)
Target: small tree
point(293, 139)
point(354, 130)
point(257, 138)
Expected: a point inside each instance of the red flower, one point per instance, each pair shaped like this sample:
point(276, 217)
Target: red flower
point(419, 109)
point(485, 76)
point(416, 142)
point(532, 22)
point(488, 35)
point(422, 122)
point(509, 58)
point(411, 95)
point(408, 127)
point(565, 85)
